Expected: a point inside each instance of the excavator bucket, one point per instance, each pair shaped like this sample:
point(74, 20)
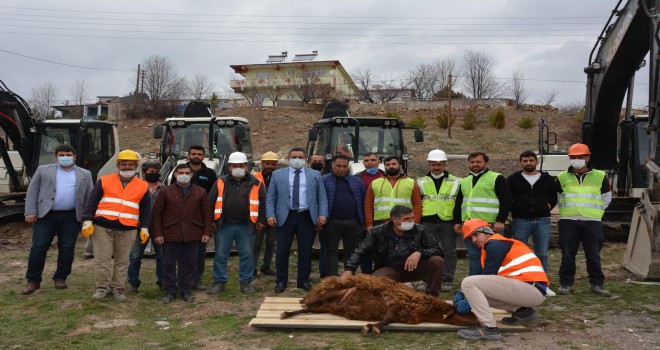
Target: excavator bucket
point(642, 256)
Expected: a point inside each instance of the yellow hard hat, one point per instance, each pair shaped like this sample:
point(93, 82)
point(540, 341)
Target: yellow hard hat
point(270, 156)
point(127, 154)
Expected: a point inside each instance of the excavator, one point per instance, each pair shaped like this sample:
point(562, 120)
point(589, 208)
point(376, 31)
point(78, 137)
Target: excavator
point(628, 149)
point(28, 143)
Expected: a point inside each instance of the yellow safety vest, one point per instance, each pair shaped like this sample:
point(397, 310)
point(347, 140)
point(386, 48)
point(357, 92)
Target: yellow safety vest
point(386, 196)
point(480, 201)
point(440, 202)
point(582, 199)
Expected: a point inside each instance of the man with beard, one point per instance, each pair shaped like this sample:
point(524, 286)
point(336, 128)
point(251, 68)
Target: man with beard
point(533, 196)
point(268, 165)
point(317, 162)
point(205, 178)
point(345, 213)
point(386, 192)
point(485, 195)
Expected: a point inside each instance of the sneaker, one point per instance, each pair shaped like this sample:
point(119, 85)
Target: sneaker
point(520, 316)
point(480, 332)
point(564, 290)
point(200, 286)
point(216, 288)
point(447, 287)
point(408, 284)
point(600, 290)
point(420, 286)
point(100, 294)
point(247, 288)
point(550, 293)
point(132, 288)
point(188, 297)
point(119, 295)
point(168, 298)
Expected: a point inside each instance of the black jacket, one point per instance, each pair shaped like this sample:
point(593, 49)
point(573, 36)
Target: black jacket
point(529, 202)
point(378, 239)
point(204, 177)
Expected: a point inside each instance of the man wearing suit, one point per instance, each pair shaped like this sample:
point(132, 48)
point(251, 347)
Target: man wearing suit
point(54, 206)
point(296, 202)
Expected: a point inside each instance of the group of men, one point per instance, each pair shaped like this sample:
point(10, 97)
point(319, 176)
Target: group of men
point(390, 225)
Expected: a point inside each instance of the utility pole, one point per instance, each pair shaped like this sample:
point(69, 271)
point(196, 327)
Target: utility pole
point(449, 121)
point(142, 84)
point(137, 88)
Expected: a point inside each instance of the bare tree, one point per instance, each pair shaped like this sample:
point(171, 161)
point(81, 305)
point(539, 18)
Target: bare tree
point(478, 79)
point(424, 79)
point(390, 88)
point(79, 91)
point(364, 79)
point(549, 98)
point(276, 86)
point(159, 78)
point(518, 89)
point(200, 86)
point(41, 99)
point(308, 86)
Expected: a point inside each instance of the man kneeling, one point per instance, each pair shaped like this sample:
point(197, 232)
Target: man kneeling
point(401, 251)
point(512, 279)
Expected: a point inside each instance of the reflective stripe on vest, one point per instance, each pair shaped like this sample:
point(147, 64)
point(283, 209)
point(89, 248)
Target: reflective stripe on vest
point(440, 202)
point(519, 263)
point(480, 201)
point(386, 196)
point(119, 203)
point(254, 201)
point(582, 198)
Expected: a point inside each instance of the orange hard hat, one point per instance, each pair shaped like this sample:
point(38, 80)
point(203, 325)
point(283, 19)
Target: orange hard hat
point(579, 149)
point(472, 225)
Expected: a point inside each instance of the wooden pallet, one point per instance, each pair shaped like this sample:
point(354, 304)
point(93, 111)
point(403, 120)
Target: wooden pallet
point(268, 316)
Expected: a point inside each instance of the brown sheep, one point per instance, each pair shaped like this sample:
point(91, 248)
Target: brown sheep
point(369, 298)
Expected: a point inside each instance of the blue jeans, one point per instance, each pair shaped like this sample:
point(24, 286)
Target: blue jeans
point(224, 238)
point(540, 231)
point(66, 227)
point(135, 262)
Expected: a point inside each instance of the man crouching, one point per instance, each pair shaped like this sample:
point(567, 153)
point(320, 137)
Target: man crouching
point(512, 279)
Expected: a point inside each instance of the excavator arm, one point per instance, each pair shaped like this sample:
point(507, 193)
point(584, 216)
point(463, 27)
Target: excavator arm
point(17, 123)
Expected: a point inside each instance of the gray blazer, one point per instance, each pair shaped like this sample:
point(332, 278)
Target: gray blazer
point(278, 198)
point(41, 191)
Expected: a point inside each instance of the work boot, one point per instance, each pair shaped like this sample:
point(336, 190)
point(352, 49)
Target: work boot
point(60, 284)
point(564, 290)
point(133, 288)
point(30, 288)
point(247, 288)
point(188, 297)
point(420, 286)
point(520, 316)
point(100, 294)
point(600, 290)
point(447, 287)
point(480, 332)
point(119, 294)
point(216, 288)
point(168, 298)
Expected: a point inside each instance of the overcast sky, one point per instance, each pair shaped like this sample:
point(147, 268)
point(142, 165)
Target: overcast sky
point(549, 41)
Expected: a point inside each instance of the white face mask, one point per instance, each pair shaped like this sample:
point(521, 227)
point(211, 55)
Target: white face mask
point(297, 163)
point(406, 226)
point(578, 163)
point(127, 173)
point(183, 179)
point(238, 172)
point(437, 176)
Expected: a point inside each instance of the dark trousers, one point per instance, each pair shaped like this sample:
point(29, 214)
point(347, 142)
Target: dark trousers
point(200, 260)
point(66, 227)
point(347, 231)
point(366, 262)
point(179, 266)
point(444, 233)
point(300, 226)
point(270, 234)
point(429, 270)
point(571, 233)
point(135, 261)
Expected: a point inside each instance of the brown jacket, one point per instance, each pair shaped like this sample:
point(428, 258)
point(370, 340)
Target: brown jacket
point(179, 218)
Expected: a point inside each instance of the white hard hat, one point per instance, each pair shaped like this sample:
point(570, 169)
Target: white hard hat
point(437, 155)
point(237, 157)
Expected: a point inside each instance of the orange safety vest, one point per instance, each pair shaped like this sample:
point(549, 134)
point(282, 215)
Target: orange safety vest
point(520, 263)
point(260, 177)
point(254, 202)
point(119, 203)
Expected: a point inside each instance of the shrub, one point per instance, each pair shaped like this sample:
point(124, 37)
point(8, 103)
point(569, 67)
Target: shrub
point(469, 120)
point(392, 114)
point(496, 119)
point(103, 117)
point(526, 122)
point(442, 119)
point(418, 122)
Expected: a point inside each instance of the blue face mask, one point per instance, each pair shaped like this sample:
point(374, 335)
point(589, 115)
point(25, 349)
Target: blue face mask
point(65, 161)
point(371, 171)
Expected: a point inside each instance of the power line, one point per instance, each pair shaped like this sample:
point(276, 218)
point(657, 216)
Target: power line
point(292, 16)
point(299, 34)
point(64, 64)
point(169, 25)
